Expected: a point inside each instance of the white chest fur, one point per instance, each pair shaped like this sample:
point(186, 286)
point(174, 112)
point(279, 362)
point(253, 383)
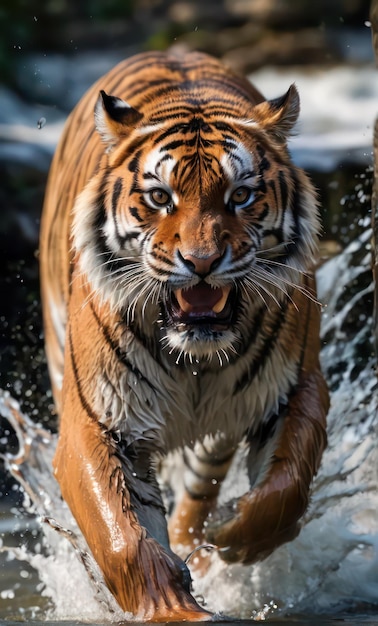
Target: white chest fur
point(174, 406)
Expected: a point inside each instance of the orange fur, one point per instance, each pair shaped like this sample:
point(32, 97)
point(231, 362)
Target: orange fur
point(177, 245)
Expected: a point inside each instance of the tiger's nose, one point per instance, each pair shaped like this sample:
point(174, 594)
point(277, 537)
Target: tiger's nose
point(202, 265)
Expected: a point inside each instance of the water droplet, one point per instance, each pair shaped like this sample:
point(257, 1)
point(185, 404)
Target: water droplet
point(41, 122)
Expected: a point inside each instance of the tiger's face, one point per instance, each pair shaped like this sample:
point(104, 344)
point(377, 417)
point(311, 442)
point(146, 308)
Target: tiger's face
point(203, 221)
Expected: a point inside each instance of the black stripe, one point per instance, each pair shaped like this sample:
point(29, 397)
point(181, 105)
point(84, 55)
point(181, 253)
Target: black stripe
point(102, 251)
point(261, 187)
point(265, 351)
point(121, 356)
point(264, 164)
point(211, 458)
point(221, 110)
point(140, 481)
point(134, 212)
point(283, 189)
point(278, 234)
point(229, 145)
point(296, 211)
point(161, 257)
point(198, 496)
point(133, 164)
point(117, 190)
point(176, 128)
point(195, 94)
point(264, 213)
point(253, 329)
point(174, 113)
point(272, 185)
point(266, 429)
point(87, 408)
point(145, 88)
point(201, 477)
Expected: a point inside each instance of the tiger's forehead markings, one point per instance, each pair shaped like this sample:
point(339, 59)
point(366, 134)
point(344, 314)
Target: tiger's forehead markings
point(237, 162)
point(158, 166)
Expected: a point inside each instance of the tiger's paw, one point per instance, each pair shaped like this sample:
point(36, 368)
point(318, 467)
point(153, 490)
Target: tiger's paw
point(241, 536)
point(249, 550)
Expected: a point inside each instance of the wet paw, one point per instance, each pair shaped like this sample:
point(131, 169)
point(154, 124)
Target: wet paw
point(243, 535)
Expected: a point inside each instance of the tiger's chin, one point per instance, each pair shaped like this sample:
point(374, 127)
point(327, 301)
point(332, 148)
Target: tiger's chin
point(199, 323)
point(194, 345)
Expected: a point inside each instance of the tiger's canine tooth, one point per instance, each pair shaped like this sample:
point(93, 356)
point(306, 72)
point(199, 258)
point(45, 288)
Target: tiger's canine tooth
point(222, 302)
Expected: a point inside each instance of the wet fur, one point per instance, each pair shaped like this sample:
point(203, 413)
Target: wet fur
point(130, 382)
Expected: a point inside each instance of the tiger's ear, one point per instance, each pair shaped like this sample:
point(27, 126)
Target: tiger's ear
point(280, 115)
point(114, 118)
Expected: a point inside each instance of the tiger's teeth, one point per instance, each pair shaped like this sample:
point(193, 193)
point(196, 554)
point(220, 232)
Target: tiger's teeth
point(186, 307)
point(183, 304)
point(222, 302)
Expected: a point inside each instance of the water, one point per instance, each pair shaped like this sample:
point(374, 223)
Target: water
point(330, 572)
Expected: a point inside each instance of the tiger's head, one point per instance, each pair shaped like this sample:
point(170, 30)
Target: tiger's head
point(197, 218)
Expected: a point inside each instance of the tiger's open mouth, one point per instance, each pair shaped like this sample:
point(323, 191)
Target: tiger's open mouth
point(201, 305)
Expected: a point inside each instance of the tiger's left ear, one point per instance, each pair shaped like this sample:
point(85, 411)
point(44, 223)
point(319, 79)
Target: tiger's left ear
point(114, 118)
point(280, 115)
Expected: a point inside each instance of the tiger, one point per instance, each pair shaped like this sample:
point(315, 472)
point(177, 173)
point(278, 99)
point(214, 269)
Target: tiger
point(177, 253)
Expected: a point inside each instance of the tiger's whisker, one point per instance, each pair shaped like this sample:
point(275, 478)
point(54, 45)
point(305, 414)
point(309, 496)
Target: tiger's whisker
point(301, 288)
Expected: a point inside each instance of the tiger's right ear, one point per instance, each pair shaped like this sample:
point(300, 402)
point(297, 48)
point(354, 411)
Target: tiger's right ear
point(114, 118)
point(279, 116)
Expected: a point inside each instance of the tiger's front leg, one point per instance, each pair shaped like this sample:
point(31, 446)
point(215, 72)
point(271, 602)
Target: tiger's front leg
point(145, 577)
point(267, 516)
point(111, 489)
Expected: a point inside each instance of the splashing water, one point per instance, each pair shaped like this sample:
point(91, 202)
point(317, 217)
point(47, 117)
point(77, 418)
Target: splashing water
point(65, 565)
point(331, 566)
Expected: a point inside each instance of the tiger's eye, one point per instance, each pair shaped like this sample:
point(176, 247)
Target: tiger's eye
point(160, 197)
point(240, 195)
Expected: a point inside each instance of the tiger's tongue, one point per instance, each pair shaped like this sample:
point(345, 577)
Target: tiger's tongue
point(202, 299)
